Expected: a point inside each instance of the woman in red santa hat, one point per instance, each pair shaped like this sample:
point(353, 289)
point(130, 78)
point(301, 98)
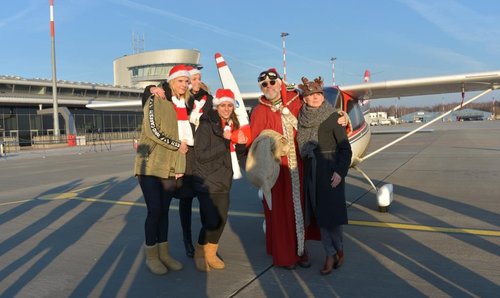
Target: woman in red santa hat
point(199, 102)
point(160, 162)
point(217, 138)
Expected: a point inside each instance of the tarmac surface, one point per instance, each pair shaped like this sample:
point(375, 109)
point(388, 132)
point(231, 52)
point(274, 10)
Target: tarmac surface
point(72, 220)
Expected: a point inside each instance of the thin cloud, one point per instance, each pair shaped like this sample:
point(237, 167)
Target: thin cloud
point(452, 58)
point(19, 15)
point(457, 20)
point(193, 22)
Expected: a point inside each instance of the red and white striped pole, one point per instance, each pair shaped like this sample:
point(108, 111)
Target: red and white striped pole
point(54, 80)
point(283, 35)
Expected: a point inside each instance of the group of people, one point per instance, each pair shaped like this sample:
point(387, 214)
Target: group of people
point(185, 150)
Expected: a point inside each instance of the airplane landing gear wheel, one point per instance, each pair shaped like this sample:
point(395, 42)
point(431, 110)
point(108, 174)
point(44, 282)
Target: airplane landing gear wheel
point(383, 209)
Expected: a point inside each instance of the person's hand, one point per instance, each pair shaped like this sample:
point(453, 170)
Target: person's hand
point(183, 148)
point(178, 175)
point(157, 91)
point(336, 179)
point(227, 134)
point(342, 119)
point(242, 138)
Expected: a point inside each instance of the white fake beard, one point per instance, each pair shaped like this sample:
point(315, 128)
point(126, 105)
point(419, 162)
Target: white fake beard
point(272, 95)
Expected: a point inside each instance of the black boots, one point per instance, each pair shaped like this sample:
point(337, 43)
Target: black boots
point(188, 244)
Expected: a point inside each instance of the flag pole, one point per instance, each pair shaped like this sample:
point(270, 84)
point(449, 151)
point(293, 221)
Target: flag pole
point(54, 80)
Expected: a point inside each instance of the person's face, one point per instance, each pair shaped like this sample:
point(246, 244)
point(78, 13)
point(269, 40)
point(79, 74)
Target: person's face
point(314, 100)
point(270, 88)
point(180, 85)
point(196, 82)
point(225, 109)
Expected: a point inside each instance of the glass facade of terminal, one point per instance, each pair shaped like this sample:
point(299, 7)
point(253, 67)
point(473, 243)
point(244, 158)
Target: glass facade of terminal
point(24, 126)
point(151, 70)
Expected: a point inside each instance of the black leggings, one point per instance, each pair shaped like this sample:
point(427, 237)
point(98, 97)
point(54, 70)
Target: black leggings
point(157, 193)
point(213, 212)
point(185, 206)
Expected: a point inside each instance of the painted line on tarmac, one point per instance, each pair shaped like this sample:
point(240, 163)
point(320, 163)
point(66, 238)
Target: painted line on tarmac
point(91, 186)
point(398, 226)
point(15, 202)
point(74, 196)
point(425, 228)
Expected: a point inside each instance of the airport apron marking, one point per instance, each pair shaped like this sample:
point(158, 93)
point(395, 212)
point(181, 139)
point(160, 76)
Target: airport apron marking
point(413, 227)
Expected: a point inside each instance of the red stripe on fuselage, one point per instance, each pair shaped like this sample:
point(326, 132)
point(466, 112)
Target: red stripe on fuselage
point(355, 135)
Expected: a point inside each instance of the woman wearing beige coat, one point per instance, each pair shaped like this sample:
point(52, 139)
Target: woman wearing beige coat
point(160, 160)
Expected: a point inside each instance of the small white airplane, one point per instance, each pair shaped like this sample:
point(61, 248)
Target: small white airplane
point(352, 97)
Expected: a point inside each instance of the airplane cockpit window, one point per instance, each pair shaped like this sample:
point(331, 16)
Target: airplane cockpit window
point(355, 114)
point(333, 95)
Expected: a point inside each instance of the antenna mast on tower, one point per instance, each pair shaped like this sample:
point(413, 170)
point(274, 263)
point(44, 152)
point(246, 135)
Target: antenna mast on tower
point(137, 43)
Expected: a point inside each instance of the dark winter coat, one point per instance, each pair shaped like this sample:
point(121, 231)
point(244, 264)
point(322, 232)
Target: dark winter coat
point(333, 154)
point(212, 169)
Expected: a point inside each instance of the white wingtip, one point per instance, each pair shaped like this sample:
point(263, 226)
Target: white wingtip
point(384, 197)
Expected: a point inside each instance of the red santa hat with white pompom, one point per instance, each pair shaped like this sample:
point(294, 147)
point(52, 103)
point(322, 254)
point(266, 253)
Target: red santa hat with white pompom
point(223, 95)
point(193, 70)
point(177, 71)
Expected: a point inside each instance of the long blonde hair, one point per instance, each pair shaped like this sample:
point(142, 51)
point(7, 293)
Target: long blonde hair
point(186, 96)
point(204, 87)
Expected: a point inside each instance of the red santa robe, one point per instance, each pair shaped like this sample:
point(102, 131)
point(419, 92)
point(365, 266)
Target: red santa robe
point(284, 228)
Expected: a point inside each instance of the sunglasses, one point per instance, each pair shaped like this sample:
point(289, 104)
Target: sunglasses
point(265, 84)
point(268, 73)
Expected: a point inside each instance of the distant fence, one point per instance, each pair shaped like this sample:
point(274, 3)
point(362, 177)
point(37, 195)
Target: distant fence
point(9, 145)
point(12, 144)
point(82, 139)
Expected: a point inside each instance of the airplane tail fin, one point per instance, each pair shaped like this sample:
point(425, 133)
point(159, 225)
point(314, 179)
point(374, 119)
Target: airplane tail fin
point(367, 76)
point(366, 102)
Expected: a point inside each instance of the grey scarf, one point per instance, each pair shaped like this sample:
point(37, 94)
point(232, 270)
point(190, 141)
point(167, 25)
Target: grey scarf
point(309, 121)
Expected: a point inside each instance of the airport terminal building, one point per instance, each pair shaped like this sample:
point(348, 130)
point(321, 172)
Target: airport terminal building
point(26, 117)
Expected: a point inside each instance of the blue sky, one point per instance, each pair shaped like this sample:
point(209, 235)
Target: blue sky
point(394, 39)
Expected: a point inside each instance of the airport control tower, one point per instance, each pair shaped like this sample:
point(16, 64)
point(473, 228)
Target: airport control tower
point(151, 68)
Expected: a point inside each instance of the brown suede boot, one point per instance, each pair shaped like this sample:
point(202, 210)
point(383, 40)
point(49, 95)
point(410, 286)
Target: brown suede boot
point(212, 258)
point(328, 266)
point(166, 259)
point(339, 259)
point(153, 261)
point(199, 258)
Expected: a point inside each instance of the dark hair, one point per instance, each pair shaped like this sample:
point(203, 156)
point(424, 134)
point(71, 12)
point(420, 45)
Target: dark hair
point(234, 118)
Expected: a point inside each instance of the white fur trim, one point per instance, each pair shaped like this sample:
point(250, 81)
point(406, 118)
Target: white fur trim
point(180, 73)
point(218, 101)
point(194, 71)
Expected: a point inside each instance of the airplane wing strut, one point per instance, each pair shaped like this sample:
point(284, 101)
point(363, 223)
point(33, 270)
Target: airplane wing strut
point(427, 124)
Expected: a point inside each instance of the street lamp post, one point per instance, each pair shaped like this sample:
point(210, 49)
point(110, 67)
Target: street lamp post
point(494, 108)
point(283, 35)
point(397, 101)
point(333, 70)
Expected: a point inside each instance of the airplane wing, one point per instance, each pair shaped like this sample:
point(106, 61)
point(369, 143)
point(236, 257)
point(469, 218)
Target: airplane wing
point(136, 105)
point(126, 105)
point(376, 90)
point(425, 86)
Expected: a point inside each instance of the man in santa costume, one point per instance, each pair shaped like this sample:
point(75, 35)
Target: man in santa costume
point(278, 110)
